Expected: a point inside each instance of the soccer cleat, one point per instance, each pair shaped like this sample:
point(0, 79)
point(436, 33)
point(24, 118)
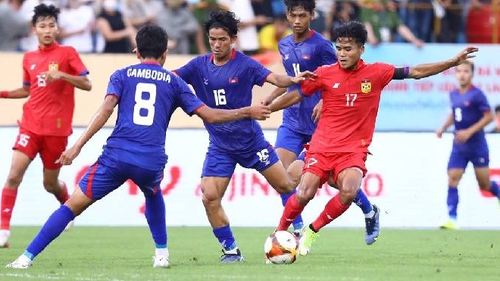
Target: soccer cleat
point(22, 262)
point(161, 261)
point(231, 256)
point(372, 226)
point(306, 240)
point(69, 225)
point(4, 238)
point(449, 225)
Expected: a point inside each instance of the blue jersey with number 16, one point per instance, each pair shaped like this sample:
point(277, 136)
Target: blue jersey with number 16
point(148, 95)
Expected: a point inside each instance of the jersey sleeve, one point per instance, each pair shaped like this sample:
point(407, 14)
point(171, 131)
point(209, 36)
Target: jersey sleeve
point(482, 102)
point(186, 99)
point(115, 85)
point(327, 52)
point(386, 72)
point(75, 63)
point(26, 73)
point(257, 72)
point(187, 70)
point(309, 87)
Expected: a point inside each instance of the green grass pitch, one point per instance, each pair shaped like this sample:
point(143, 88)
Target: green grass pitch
point(125, 253)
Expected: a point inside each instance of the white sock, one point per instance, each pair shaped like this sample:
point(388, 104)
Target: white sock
point(370, 214)
point(161, 252)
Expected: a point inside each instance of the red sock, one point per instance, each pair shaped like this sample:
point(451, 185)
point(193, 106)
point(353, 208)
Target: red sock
point(8, 201)
point(291, 211)
point(63, 195)
point(333, 209)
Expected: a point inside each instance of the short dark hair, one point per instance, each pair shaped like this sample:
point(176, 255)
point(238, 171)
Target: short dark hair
point(222, 19)
point(43, 11)
point(469, 62)
point(308, 5)
point(352, 29)
point(151, 41)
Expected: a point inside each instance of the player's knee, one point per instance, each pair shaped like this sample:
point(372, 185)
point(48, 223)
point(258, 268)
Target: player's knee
point(14, 179)
point(51, 186)
point(484, 185)
point(304, 195)
point(210, 198)
point(349, 192)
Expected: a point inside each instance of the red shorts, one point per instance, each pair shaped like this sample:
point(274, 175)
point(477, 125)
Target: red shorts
point(49, 147)
point(324, 164)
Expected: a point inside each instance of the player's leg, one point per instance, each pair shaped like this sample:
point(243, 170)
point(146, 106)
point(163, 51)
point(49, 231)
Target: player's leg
point(98, 181)
point(481, 162)
point(25, 150)
point(149, 183)
point(288, 146)
point(456, 167)
point(217, 171)
point(371, 212)
point(52, 228)
point(51, 149)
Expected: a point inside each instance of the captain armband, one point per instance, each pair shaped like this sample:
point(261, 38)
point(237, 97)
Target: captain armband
point(401, 73)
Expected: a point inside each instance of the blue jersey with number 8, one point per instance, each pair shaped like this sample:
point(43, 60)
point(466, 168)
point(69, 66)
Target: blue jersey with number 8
point(148, 95)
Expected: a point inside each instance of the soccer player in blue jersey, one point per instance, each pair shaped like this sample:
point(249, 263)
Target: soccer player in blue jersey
point(146, 95)
point(303, 50)
point(471, 112)
point(224, 79)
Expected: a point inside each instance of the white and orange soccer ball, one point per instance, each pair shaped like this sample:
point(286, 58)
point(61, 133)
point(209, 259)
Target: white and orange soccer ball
point(281, 247)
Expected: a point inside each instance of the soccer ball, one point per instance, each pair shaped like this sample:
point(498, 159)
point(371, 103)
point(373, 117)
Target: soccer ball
point(281, 247)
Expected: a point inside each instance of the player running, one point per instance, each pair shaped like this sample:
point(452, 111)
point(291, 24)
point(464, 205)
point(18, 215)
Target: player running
point(146, 95)
point(471, 112)
point(351, 95)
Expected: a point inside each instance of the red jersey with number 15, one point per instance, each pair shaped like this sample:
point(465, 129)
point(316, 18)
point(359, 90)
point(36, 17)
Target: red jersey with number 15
point(350, 105)
point(49, 109)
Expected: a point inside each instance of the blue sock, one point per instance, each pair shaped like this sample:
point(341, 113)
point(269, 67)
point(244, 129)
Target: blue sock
point(494, 189)
point(225, 237)
point(452, 201)
point(155, 215)
point(298, 223)
point(52, 228)
point(362, 201)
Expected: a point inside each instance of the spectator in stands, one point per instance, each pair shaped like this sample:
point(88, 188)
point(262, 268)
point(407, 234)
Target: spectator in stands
point(12, 25)
point(118, 32)
point(382, 22)
point(322, 21)
point(421, 18)
point(343, 12)
point(76, 24)
point(497, 120)
point(141, 12)
point(271, 34)
point(180, 24)
point(201, 11)
point(263, 10)
point(452, 22)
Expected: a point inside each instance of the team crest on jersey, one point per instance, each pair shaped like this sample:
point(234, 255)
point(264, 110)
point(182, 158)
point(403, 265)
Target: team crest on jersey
point(233, 80)
point(53, 66)
point(306, 56)
point(366, 86)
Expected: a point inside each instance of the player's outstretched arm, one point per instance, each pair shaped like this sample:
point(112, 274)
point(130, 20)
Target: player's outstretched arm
point(429, 69)
point(285, 101)
point(284, 81)
point(277, 92)
point(100, 118)
point(81, 82)
point(20, 93)
point(213, 115)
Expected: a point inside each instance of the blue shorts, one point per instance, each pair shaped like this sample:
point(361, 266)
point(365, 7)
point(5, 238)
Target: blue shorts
point(462, 155)
point(220, 163)
point(290, 140)
point(107, 174)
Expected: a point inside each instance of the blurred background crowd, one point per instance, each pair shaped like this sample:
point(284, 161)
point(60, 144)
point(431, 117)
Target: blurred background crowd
point(109, 26)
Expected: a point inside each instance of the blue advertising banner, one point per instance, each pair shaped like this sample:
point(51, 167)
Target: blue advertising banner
point(422, 105)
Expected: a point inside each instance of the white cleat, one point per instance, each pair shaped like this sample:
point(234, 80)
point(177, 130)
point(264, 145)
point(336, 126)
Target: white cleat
point(161, 261)
point(69, 225)
point(4, 238)
point(22, 262)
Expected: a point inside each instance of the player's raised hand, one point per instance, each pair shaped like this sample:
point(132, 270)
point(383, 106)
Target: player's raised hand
point(303, 76)
point(260, 112)
point(68, 156)
point(465, 54)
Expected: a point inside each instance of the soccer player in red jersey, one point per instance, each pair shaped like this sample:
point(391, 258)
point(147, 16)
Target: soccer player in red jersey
point(351, 94)
point(50, 75)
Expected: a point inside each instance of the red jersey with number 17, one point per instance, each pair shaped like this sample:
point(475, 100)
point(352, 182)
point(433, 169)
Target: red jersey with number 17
point(49, 109)
point(350, 105)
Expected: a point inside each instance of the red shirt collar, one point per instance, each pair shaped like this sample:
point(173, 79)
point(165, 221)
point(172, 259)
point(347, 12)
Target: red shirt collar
point(49, 48)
